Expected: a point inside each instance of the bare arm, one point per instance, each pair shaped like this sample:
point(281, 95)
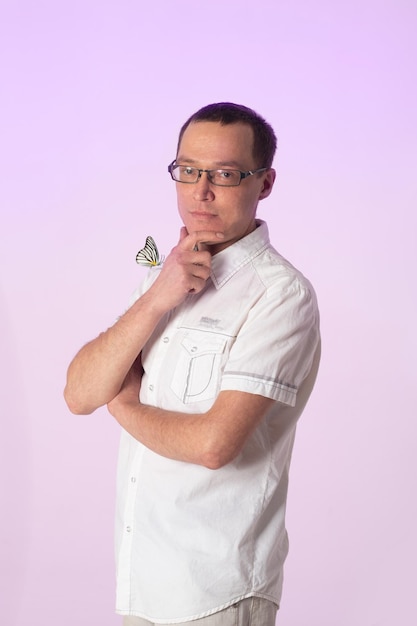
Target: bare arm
point(212, 439)
point(97, 372)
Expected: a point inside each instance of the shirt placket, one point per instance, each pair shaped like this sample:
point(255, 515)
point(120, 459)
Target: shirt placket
point(159, 358)
point(128, 533)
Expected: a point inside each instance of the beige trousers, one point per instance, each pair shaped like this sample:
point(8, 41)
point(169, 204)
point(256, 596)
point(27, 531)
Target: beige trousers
point(249, 612)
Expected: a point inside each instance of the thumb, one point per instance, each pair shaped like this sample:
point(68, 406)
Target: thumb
point(183, 233)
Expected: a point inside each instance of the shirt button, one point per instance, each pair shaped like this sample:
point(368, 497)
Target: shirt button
point(150, 387)
point(165, 339)
point(133, 479)
point(128, 529)
point(194, 349)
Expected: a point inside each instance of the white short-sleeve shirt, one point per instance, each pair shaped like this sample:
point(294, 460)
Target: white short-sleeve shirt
point(191, 541)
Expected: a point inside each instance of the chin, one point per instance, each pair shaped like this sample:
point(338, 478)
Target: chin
point(203, 222)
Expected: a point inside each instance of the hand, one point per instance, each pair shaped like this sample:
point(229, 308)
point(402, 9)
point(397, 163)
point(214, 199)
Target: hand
point(185, 269)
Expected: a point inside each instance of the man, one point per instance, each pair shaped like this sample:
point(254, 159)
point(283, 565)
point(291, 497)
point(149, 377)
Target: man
point(207, 372)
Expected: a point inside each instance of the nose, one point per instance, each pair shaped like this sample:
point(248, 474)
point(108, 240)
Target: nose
point(203, 189)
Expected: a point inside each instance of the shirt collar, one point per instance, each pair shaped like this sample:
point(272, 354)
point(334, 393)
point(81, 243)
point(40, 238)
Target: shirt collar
point(226, 263)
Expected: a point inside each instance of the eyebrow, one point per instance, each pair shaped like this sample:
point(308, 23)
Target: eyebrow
point(217, 164)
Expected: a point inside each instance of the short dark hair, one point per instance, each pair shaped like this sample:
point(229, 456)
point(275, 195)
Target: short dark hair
point(265, 141)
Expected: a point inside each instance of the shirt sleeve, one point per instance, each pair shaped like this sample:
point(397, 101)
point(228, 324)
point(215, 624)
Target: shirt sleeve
point(274, 350)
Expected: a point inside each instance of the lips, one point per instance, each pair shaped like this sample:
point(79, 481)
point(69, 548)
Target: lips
point(202, 214)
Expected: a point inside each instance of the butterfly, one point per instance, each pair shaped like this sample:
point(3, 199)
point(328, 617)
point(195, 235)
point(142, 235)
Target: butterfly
point(149, 255)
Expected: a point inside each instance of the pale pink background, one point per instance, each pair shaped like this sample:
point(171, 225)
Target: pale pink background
point(92, 96)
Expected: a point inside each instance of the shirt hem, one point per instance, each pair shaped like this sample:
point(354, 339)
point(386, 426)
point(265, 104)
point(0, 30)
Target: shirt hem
point(190, 618)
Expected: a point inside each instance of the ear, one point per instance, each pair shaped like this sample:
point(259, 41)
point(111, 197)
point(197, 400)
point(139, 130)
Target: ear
point(268, 183)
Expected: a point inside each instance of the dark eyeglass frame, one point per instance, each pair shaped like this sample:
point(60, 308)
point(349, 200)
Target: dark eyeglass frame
point(173, 165)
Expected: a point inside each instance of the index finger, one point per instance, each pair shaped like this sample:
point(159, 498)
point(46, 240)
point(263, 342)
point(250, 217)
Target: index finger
point(203, 237)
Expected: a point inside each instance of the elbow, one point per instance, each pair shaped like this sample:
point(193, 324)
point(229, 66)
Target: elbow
point(213, 463)
point(218, 450)
point(217, 457)
point(73, 403)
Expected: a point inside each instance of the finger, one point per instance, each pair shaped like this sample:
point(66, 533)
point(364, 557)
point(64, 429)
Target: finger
point(200, 256)
point(207, 237)
point(183, 233)
point(201, 272)
point(196, 284)
point(194, 239)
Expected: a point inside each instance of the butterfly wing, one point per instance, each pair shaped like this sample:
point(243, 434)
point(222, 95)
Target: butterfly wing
point(149, 255)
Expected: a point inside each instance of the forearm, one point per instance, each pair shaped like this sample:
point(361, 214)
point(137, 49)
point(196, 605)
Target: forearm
point(178, 436)
point(212, 439)
point(97, 372)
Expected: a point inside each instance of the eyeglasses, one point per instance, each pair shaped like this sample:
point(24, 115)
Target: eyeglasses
point(223, 178)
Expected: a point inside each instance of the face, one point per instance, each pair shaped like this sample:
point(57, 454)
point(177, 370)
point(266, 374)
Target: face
point(208, 207)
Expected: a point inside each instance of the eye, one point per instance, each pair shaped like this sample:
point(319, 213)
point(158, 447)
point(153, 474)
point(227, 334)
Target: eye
point(226, 177)
point(188, 171)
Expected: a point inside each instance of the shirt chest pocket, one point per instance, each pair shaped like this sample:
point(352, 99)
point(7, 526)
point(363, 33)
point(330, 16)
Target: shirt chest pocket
point(197, 370)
